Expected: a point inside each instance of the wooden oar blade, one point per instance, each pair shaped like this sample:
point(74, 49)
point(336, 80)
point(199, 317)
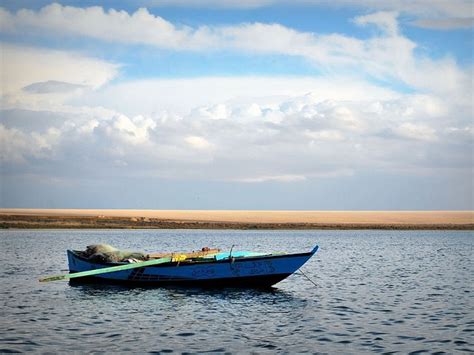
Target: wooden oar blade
point(106, 270)
point(53, 278)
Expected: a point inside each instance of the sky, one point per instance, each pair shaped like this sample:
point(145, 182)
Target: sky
point(246, 105)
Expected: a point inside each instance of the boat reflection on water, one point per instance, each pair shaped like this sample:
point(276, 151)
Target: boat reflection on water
point(174, 295)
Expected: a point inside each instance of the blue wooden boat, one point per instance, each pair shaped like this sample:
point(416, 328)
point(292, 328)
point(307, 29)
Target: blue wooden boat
point(236, 269)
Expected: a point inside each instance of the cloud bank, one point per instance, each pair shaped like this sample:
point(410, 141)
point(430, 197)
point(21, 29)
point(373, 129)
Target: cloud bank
point(297, 139)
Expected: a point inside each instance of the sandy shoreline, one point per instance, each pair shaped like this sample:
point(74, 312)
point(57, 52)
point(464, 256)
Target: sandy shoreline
point(89, 218)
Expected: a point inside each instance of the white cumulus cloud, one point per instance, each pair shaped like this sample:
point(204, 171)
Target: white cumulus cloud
point(312, 138)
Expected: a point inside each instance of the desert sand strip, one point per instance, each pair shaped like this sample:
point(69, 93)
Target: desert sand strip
point(311, 219)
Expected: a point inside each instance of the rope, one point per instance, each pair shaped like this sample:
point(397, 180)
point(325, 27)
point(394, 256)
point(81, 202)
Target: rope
point(307, 277)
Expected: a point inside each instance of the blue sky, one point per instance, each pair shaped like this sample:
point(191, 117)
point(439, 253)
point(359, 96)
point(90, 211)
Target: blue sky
point(265, 104)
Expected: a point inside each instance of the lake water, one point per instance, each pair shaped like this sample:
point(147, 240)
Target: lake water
point(377, 291)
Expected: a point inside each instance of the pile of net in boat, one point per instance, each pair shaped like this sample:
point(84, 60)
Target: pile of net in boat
point(104, 253)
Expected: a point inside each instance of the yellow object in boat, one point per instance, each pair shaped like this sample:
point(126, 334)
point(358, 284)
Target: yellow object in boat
point(178, 257)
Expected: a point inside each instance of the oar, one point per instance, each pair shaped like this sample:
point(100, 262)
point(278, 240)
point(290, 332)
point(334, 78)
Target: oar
point(106, 270)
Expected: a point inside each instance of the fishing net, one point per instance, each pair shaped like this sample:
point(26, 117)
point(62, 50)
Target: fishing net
point(104, 253)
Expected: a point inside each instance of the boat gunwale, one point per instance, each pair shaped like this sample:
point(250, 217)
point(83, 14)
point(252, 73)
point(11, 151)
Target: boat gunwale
point(191, 262)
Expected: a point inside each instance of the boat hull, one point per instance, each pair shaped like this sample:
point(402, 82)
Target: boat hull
point(255, 272)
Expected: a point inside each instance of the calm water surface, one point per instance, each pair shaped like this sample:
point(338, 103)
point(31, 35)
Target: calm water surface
point(377, 291)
